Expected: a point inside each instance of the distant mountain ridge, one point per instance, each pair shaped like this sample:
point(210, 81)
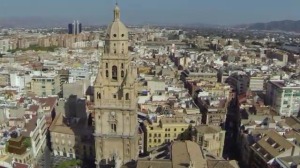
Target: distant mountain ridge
point(285, 25)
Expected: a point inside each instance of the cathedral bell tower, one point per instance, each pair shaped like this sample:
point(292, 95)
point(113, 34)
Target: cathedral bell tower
point(115, 100)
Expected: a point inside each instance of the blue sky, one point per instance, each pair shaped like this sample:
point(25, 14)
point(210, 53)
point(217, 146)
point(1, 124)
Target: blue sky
point(223, 12)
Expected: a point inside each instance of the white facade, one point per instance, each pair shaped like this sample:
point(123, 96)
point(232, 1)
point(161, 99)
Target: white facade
point(38, 136)
point(283, 97)
point(4, 45)
point(19, 81)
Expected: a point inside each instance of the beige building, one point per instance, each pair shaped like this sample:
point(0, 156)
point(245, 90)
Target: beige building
point(183, 154)
point(270, 146)
point(73, 138)
point(211, 138)
point(116, 126)
point(165, 130)
point(45, 85)
point(4, 79)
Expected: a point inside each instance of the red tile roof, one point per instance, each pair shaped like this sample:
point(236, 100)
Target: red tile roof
point(20, 165)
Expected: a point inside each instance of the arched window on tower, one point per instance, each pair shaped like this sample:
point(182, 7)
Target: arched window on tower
point(114, 72)
point(115, 51)
point(122, 74)
point(106, 65)
point(127, 96)
point(122, 65)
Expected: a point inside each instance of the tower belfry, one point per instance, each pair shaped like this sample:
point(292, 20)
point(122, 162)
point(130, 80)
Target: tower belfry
point(115, 100)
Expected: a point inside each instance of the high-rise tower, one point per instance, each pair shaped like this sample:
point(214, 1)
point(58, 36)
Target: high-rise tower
point(75, 28)
point(115, 100)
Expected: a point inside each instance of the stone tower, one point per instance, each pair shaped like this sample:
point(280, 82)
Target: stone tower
point(115, 100)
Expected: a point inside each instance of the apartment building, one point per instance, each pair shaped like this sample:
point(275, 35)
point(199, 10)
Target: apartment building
point(165, 130)
point(4, 45)
point(213, 109)
point(239, 81)
point(284, 97)
point(211, 138)
point(45, 84)
point(36, 129)
point(72, 138)
point(270, 146)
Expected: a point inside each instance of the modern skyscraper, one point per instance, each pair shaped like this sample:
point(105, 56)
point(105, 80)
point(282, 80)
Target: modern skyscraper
point(75, 28)
point(116, 123)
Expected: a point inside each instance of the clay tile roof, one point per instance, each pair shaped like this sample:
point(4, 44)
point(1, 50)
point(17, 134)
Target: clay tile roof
point(20, 165)
point(30, 126)
point(33, 108)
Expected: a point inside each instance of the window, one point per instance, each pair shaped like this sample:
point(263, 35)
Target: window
point(98, 95)
point(113, 128)
point(115, 51)
point(115, 35)
point(127, 96)
point(122, 35)
point(115, 96)
point(122, 44)
point(154, 140)
point(114, 44)
point(158, 140)
point(106, 73)
point(182, 129)
point(206, 143)
point(106, 65)
point(122, 51)
point(150, 135)
point(115, 72)
point(150, 140)
point(43, 86)
point(122, 65)
point(166, 135)
point(174, 129)
point(122, 74)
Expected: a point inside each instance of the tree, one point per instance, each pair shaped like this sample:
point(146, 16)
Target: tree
point(69, 164)
point(27, 142)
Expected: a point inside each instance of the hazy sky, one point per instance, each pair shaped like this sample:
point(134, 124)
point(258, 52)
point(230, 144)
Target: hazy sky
point(156, 11)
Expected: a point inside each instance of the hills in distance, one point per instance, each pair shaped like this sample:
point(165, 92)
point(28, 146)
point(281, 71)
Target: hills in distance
point(285, 25)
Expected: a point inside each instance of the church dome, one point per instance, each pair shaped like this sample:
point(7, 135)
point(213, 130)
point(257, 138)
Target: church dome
point(117, 30)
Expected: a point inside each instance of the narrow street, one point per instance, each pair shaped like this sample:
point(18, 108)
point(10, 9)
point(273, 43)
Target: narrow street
point(231, 149)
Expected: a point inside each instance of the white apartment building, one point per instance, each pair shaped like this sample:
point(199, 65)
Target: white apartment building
point(284, 97)
point(36, 128)
point(4, 45)
point(19, 80)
